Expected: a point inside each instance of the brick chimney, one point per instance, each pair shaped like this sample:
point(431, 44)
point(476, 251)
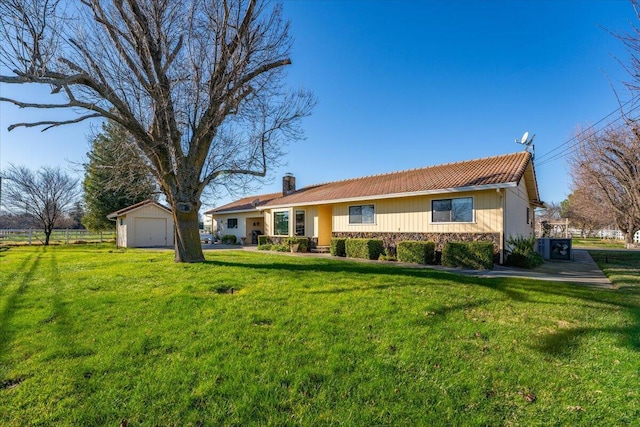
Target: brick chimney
point(288, 184)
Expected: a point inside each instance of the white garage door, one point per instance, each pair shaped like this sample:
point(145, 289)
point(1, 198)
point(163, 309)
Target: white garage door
point(150, 232)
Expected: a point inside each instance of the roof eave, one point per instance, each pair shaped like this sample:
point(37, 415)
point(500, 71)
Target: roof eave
point(399, 195)
point(232, 211)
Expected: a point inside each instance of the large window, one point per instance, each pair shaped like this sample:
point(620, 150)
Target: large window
point(363, 214)
point(452, 210)
point(232, 223)
point(299, 223)
point(281, 223)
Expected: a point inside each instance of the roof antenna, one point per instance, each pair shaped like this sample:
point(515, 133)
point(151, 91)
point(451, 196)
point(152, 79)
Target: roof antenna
point(528, 142)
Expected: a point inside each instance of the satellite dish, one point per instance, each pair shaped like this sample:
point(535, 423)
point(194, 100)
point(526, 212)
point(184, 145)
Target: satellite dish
point(525, 136)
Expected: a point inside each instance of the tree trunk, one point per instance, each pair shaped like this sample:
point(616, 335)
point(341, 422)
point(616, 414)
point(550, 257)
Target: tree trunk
point(47, 235)
point(187, 234)
point(628, 240)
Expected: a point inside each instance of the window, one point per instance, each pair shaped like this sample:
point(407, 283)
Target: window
point(452, 210)
point(363, 214)
point(528, 216)
point(299, 223)
point(232, 223)
point(281, 223)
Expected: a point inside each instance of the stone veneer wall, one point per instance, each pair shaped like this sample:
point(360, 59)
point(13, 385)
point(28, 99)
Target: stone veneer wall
point(440, 239)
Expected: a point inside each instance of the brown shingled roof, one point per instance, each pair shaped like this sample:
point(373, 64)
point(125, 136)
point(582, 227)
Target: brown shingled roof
point(488, 171)
point(247, 203)
point(496, 170)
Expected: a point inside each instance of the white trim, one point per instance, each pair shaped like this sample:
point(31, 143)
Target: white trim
point(473, 212)
point(398, 195)
point(125, 211)
point(273, 220)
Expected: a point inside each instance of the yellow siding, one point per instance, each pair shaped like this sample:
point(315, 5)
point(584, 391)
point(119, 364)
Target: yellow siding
point(268, 223)
point(311, 221)
point(413, 214)
point(517, 202)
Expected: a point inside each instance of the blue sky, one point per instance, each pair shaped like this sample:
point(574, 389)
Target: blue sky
point(406, 84)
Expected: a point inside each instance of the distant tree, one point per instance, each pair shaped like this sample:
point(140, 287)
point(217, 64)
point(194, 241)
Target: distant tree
point(606, 167)
point(198, 84)
point(16, 221)
point(115, 177)
point(586, 209)
point(45, 195)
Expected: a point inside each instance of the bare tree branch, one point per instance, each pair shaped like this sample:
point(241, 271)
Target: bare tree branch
point(199, 85)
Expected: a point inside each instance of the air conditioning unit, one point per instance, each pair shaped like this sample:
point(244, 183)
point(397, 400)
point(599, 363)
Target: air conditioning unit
point(555, 249)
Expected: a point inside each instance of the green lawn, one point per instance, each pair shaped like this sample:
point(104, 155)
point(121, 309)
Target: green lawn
point(94, 336)
point(596, 243)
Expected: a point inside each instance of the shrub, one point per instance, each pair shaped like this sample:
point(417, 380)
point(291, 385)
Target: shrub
point(386, 256)
point(338, 247)
point(416, 252)
point(522, 253)
point(364, 248)
point(302, 242)
point(476, 255)
point(280, 248)
point(265, 247)
point(229, 239)
point(264, 240)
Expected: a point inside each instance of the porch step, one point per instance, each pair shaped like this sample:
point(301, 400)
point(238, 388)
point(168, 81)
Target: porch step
point(321, 249)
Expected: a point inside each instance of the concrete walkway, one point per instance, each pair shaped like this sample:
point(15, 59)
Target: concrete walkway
point(582, 270)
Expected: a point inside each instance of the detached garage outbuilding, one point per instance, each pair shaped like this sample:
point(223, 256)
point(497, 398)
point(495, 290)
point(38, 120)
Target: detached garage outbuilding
point(143, 225)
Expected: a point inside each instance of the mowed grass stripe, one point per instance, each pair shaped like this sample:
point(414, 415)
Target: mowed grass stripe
point(93, 336)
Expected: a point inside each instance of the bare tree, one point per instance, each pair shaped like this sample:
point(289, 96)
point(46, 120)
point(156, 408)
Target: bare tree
point(199, 84)
point(606, 165)
point(46, 195)
point(587, 208)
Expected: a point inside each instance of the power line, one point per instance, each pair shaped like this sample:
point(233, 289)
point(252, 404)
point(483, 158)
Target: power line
point(544, 158)
point(574, 147)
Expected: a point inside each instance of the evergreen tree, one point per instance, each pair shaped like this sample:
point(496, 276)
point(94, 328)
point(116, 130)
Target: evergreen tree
point(115, 177)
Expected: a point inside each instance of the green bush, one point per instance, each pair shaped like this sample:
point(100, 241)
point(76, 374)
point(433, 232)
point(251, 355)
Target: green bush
point(476, 255)
point(364, 248)
point(280, 248)
point(303, 243)
point(386, 256)
point(265, 247)
point(416, 252)
point(521, 252)
point(264, 240)
point(338, 247)
point(228, 239)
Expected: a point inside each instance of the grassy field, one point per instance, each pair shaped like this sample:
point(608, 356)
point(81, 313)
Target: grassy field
point(95, 336)
point(58, 237)
point(597, 243)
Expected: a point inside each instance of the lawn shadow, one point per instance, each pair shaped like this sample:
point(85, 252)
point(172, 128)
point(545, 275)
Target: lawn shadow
point(355, 267)
point(520, 290)
point(24, 274)
point(564, 342)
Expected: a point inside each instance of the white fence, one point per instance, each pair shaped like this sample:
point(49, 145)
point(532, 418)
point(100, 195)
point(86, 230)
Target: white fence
point(35, 236)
